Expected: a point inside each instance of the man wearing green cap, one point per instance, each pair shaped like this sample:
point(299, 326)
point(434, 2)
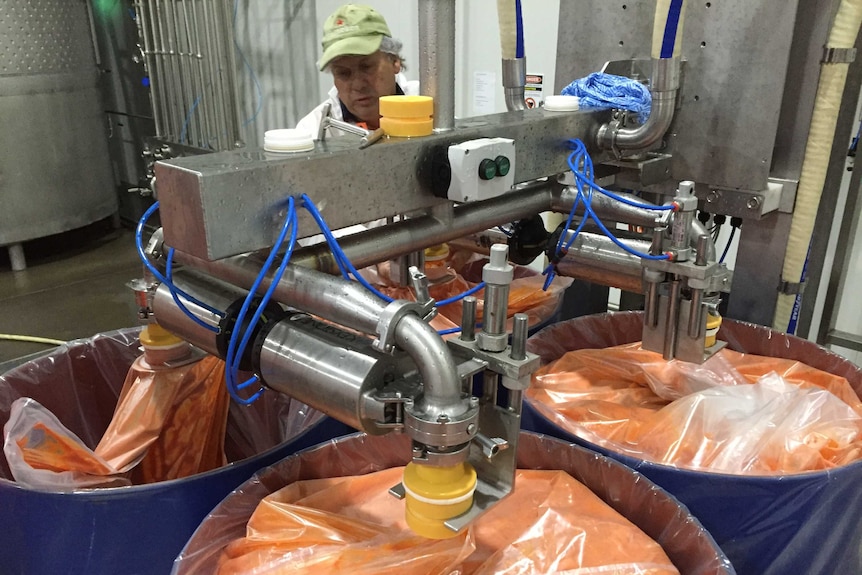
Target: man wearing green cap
point(366, 64)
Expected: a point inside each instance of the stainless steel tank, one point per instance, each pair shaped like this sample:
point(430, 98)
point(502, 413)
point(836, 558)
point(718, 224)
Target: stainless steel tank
point(55, 172)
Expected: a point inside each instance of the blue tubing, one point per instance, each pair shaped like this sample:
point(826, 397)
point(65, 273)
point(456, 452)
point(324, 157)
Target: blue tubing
point(669, 39)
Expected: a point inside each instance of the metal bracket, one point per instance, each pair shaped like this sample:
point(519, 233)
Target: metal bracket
point(779, 195)
point(791, 288)
point(838, 55)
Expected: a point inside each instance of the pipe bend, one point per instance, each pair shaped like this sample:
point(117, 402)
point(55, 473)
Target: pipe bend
point(664, 84)
point(611, 137)
point(442, 386)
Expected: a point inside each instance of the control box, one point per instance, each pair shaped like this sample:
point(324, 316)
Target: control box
point(481, 169)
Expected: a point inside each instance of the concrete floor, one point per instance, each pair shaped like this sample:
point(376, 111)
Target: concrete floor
point(73, 287)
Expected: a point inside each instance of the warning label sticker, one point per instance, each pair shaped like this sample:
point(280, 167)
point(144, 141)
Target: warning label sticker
point(533, 91)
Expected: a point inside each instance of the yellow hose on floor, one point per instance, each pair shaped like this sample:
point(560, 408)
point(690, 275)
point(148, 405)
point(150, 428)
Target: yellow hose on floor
point(31, 339)
point(820, 136)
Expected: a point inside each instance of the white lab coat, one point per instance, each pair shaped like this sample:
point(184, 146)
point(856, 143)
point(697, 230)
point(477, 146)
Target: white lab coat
point(311, 122)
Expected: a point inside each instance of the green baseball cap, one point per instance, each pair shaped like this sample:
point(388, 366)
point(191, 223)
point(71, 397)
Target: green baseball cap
point(353, 29)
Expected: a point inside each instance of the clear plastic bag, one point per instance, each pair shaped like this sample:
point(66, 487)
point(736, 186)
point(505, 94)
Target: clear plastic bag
point(736, 413)
point(169, 423)
point(351, 525)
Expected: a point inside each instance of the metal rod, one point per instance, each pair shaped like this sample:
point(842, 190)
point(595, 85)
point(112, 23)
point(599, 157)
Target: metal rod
point(229, 59)
point(468, 318)
point(437, 58)
point(214, 88)
point(158, 81)
point(147, 50)
point(695, 313)
point(670, 332)
point(205, 106)
point(191, 66)
point(520, 325)
point(516, 400)
point(651, 304)
point(700, 258)
point(490, 382)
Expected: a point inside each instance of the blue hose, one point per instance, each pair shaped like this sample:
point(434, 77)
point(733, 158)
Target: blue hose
point(669, 38)
point(519, 31)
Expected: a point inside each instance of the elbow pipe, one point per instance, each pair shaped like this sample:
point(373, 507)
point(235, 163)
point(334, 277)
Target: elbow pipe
point(441, 384)
point(663, 87)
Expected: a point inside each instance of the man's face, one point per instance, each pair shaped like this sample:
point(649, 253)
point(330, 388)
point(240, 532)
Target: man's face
point(361, 80)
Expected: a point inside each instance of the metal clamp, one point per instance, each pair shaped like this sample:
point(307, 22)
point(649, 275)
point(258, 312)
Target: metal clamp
point(791, 288)
point(390, 317)
point(838, 55)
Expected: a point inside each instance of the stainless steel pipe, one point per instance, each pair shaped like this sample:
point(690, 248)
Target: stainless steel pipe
point(437, 58)
point(380, 244)
point(664, 85)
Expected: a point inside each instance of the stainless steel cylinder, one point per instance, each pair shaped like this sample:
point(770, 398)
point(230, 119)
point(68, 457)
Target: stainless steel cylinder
point(594, 257)
point(325, 367)
point(514, 82)
point(609, 209)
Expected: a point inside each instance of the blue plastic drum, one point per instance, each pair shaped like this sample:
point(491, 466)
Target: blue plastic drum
point(684, 540)
point(138, 529)
point(804, 523)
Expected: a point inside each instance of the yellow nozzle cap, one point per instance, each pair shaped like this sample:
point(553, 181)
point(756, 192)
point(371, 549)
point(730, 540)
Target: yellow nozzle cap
point(435, 494)
point(713, 322)
point(154, 335)
point(436, 253)
point(407, 128)
point(407, 107)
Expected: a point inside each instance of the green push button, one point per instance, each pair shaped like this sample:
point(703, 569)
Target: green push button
point(487, 169)
point(503, 165)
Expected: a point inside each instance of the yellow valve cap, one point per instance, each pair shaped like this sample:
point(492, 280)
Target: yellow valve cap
point(155, 336)
point(438, 252)
point(435, 494)
point(407, 128)
point(713, 322)
point(408, 107)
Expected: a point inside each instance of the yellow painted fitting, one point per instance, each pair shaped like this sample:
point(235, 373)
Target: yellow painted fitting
point(407, 116)
point(436, 253)
point(407, 107)
point(435, 494)
point(713, 322)
point(161, 346)
point(154, 335)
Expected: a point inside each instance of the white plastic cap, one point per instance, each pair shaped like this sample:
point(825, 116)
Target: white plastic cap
point(287, 140)
point(561, 103)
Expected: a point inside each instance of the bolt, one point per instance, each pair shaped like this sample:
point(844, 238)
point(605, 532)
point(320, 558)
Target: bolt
point(753, 202)
point(471, 429)
point(713, 196)
point(442, 418)
point(474, 401)
point(418, 453)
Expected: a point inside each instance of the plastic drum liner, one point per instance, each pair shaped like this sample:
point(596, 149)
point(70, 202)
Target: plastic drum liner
point(802, 523)
point(138, 529)
point(653, 510)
